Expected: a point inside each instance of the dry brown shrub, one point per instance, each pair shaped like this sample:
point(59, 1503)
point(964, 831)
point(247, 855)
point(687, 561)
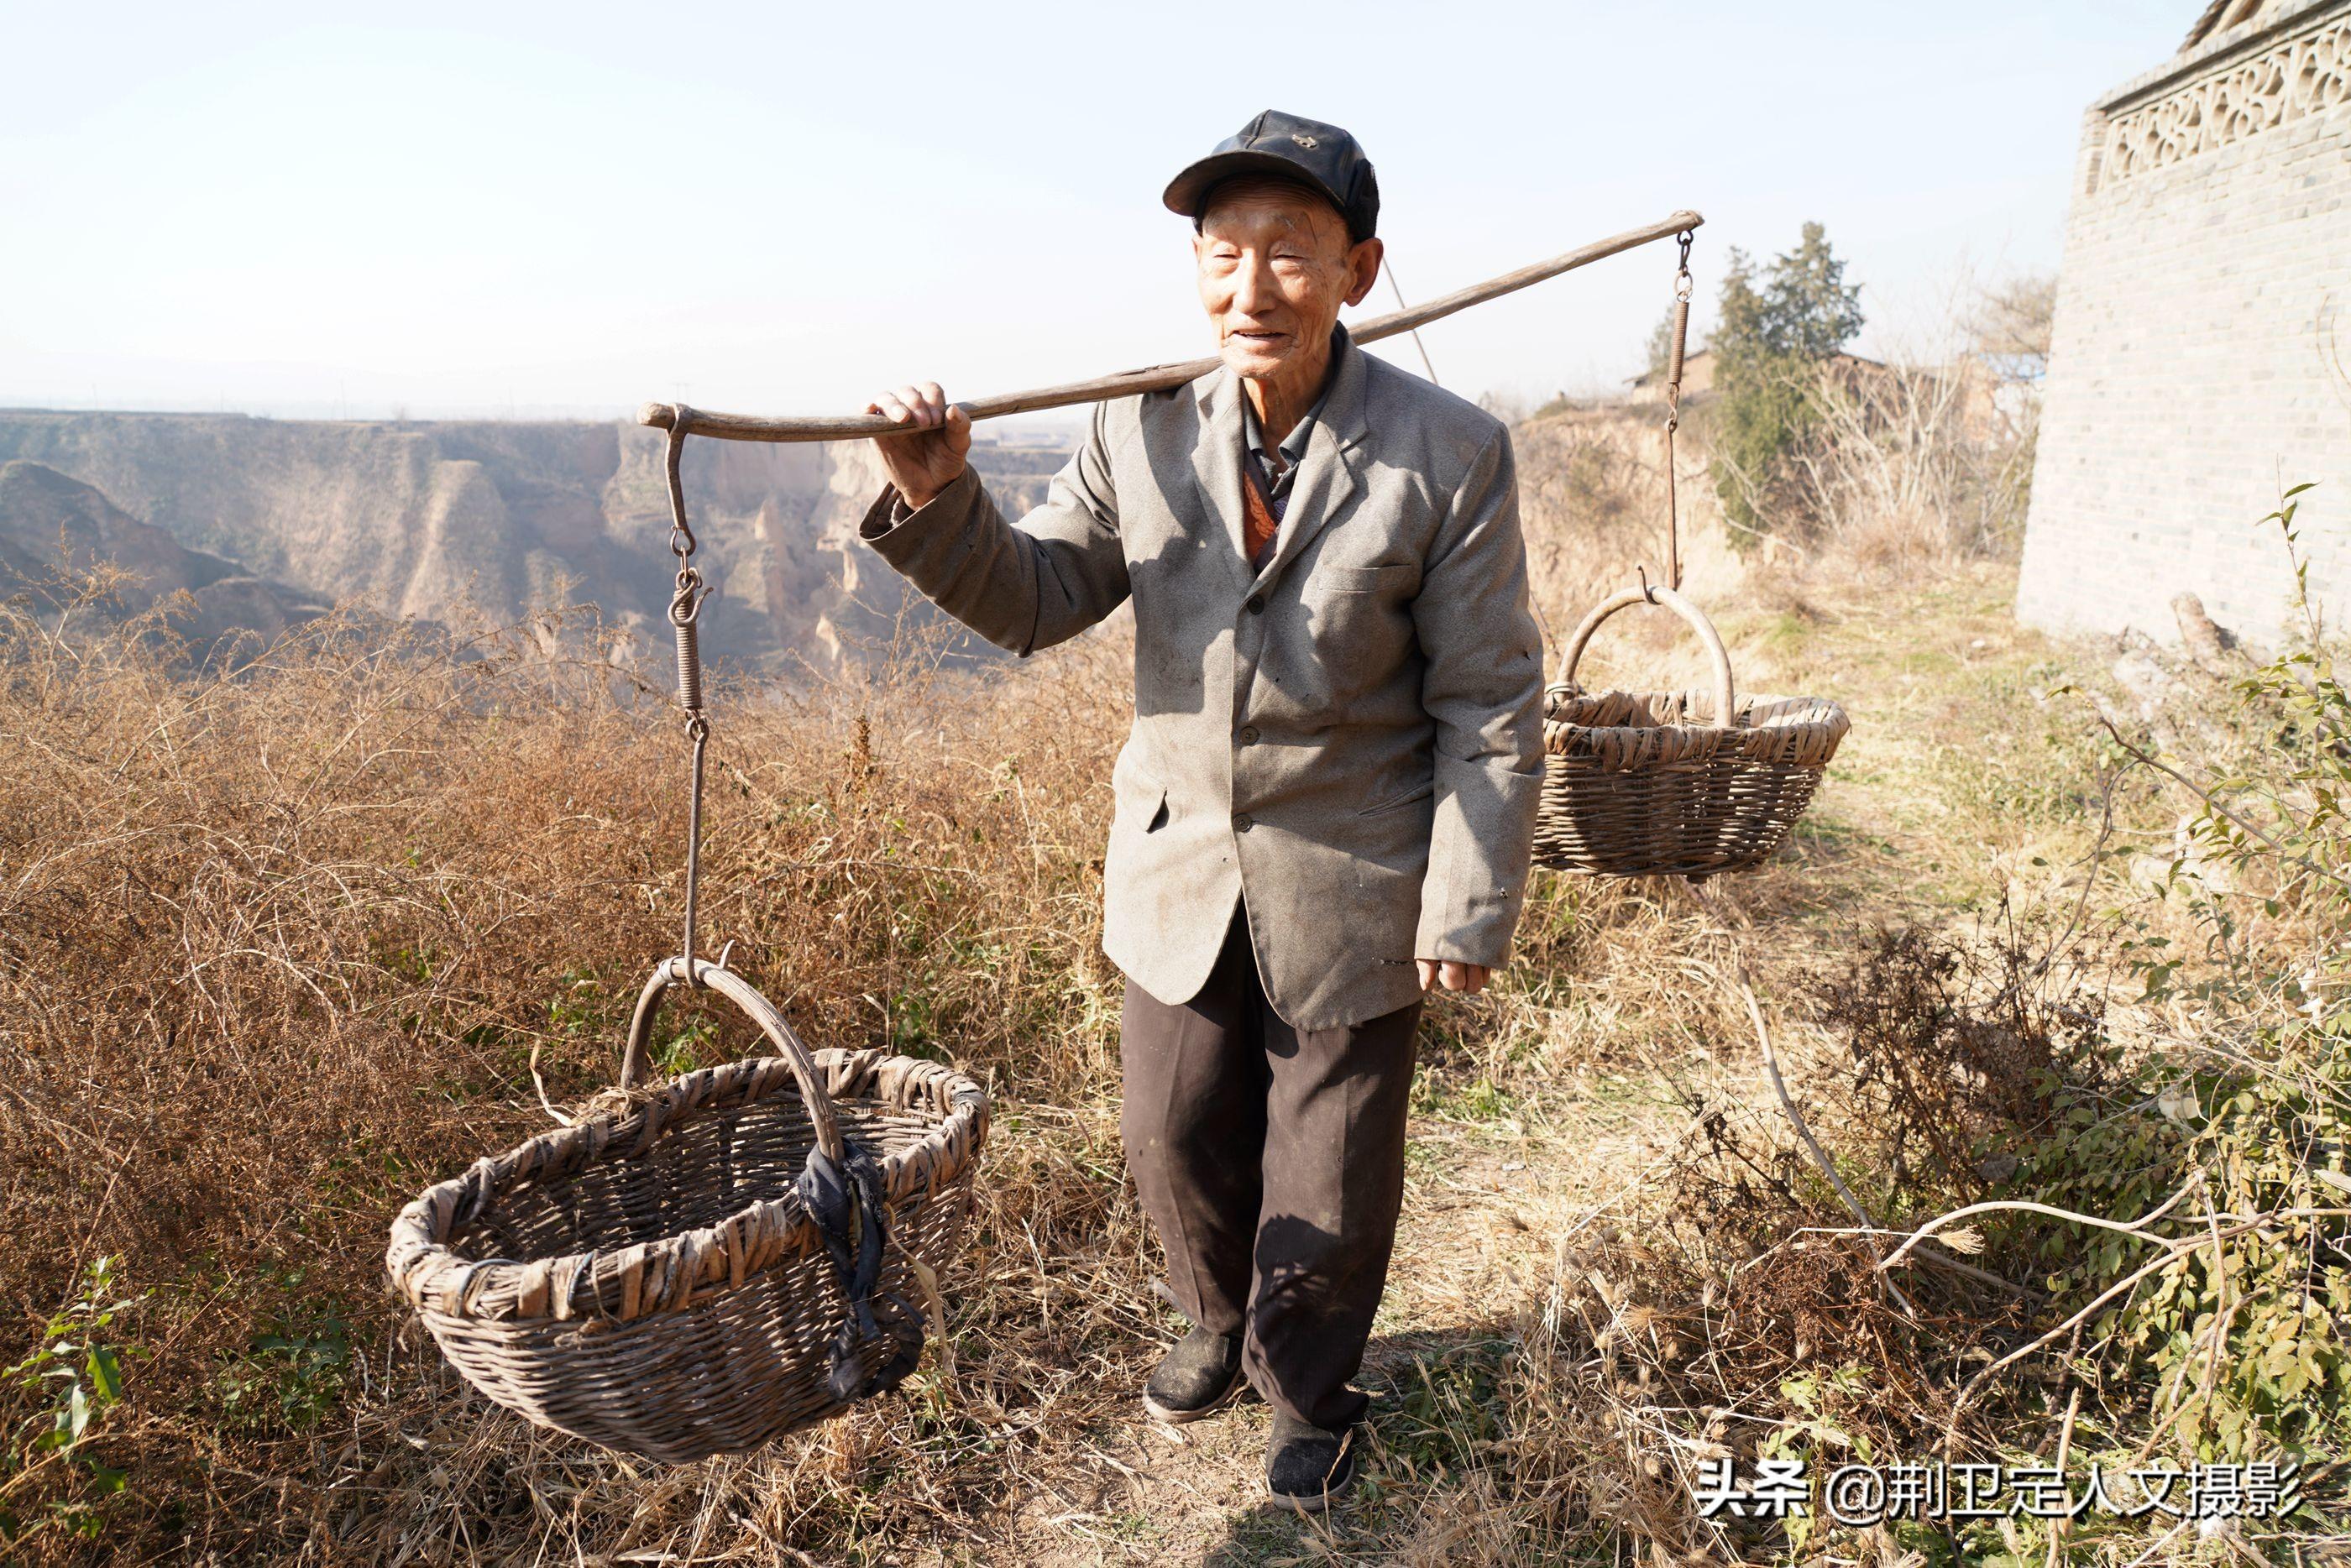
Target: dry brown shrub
point(1917, 466)
point(1953, 1050)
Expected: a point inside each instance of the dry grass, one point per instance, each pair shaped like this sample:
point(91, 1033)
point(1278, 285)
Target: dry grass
point(280, 947)
point(277, 947)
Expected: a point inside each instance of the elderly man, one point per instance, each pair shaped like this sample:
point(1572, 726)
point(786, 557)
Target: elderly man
point(1325, 806)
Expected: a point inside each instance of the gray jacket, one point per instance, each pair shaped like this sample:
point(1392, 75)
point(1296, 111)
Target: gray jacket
point(1350, 738)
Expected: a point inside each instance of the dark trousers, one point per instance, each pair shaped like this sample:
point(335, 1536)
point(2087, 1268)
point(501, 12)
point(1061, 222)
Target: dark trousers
point(1270, 1160)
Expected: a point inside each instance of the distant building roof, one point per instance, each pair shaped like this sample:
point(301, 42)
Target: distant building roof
point(1653, 378)
point(1697, 367)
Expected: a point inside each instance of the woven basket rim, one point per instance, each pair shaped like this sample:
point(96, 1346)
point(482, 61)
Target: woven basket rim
point(1761, 703)
point(668, 1274)
point(1781, 712)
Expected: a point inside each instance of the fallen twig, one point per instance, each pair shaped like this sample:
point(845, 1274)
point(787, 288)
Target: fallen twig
point(1931, 1226)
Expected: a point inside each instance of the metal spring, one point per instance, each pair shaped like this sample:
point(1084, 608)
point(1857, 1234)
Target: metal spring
point(689, 664)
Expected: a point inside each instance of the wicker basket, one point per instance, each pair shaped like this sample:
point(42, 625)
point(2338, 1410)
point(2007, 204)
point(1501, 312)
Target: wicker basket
point(652, 1281)
point(1638, 783)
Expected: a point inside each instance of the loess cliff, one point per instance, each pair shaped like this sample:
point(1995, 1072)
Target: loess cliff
point(465, 522)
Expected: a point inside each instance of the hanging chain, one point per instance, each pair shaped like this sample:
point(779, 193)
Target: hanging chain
point(1682, 290)
point(685, 617)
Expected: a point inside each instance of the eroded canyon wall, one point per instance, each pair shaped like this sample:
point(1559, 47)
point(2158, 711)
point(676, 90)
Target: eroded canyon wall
point(471, 522)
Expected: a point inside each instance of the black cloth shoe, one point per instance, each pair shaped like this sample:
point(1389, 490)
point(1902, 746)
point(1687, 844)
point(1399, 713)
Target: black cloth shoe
point(1309, 1467)
point(1198, 1376)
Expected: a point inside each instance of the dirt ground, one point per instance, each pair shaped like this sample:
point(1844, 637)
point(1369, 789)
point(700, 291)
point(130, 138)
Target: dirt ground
point(1501, 1188)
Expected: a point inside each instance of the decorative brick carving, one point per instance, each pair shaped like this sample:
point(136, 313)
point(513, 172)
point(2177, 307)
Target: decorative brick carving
point(2294, 77)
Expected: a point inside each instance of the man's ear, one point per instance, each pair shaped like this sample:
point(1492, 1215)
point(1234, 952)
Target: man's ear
point(1363, 268)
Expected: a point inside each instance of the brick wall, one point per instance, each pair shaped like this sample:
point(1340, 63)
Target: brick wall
point(2202, 333)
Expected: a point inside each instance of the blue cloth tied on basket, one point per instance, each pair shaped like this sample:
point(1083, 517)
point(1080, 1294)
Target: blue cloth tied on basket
point(828, 1190)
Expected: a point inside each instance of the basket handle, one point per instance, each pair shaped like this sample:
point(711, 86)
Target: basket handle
point(1626, 599)
point(761, 1012)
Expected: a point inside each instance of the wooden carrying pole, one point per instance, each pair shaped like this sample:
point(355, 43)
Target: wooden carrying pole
point(1156, 377)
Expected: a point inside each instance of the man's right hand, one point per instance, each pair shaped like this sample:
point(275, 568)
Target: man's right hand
point(930, 456)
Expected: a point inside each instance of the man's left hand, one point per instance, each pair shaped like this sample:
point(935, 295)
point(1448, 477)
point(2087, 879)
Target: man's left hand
point(1467, 978)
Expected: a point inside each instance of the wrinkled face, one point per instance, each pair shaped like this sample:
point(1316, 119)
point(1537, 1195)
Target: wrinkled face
point(1275, 264)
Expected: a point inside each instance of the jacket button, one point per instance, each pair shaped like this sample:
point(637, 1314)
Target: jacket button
point(1249, 734)
point(1256, 605)
point(1242, 823)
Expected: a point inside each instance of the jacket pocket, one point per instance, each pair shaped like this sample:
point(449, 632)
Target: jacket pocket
point(1419, 792)
point(1328, 579)
point(1140, 800)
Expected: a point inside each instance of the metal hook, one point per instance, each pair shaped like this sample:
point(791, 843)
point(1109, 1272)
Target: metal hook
point(681, 534)
point(1648, 592)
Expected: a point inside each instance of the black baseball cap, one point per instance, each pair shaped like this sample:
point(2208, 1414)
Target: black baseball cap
point(1322, 158)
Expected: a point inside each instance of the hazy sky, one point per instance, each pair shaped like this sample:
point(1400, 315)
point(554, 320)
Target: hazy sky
point(781, 208)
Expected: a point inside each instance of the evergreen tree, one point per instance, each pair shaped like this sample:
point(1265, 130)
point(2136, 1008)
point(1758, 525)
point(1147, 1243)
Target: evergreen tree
point(1807, 308)
point(1772, 334)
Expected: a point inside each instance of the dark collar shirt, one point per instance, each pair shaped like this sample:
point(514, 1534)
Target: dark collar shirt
point(1269, 475)
point(1275, 470)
